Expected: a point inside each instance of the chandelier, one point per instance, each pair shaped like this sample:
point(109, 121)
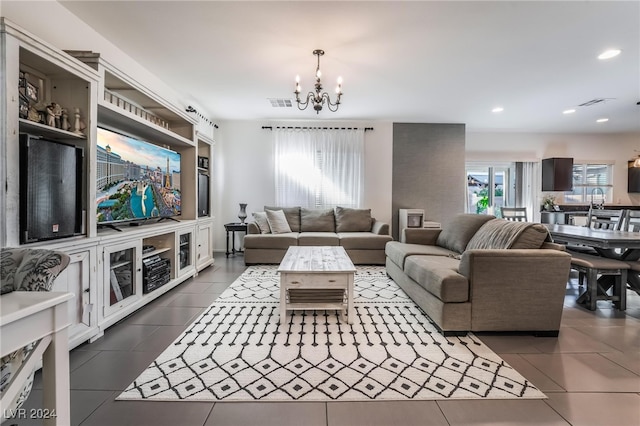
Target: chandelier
point(319, 98)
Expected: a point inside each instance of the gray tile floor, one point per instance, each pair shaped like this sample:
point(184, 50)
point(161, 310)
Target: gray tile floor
point(590, 373)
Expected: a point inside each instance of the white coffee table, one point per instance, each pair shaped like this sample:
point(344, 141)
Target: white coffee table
point(316, 278)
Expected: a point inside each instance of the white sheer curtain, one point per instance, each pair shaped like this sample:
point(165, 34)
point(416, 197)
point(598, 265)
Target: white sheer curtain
point(319, 168)
point(531, 184)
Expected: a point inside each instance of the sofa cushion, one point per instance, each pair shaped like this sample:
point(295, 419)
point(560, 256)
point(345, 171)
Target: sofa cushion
point(318, 239)
point(398, 252)
point(439, 276)
point(457, 233)
point(363, 240)
point(317, 220)
point(270, 241)
point(262, 222)
point(292, 214)
point(277, 222)
point(504, 234)
point(353, 220)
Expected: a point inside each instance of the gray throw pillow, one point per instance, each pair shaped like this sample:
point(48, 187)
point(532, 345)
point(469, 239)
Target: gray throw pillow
point(317, 220)
point(277, 221)
point(261, 220)
point(456, 234)
point(353, 220)
point(292, 214)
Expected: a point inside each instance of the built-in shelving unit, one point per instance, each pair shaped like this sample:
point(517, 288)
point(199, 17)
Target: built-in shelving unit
point(113, 271)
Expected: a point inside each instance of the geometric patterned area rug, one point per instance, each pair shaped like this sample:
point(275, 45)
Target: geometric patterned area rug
point(237, 350)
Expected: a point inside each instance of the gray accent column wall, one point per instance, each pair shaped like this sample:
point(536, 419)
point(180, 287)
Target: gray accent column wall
point(428, 170)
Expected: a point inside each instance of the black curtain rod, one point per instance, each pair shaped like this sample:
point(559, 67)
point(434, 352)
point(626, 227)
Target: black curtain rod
point(323, 128)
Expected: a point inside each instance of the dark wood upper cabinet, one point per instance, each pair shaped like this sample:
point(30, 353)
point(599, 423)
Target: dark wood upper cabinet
point(557, 174)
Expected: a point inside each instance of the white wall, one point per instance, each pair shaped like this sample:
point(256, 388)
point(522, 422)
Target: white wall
point(244, 169)
point(53, 23)
point(614, 148)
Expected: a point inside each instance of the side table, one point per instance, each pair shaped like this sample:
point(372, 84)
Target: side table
point(43, 317)
point(232, 228)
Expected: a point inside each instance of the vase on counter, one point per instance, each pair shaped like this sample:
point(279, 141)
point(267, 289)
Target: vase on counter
point(242, 215)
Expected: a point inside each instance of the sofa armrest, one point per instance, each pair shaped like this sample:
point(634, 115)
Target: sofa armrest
point(516, 289)
point(380, 228)
point(424, 236)
point(252, 228)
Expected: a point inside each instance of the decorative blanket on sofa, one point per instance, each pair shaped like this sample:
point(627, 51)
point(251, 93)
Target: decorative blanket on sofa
point(503, 234)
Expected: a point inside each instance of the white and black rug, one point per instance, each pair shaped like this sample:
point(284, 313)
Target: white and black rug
point(237, 350)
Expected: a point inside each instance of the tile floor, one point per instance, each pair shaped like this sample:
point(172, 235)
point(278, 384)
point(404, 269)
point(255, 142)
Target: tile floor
point(590, 373)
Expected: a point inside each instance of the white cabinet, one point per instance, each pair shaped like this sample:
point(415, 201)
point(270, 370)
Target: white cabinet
point(79, 278)
point(204, 253)
point(107, 269)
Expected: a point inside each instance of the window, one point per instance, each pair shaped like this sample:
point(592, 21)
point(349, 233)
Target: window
point(481, 177)
point(591, 183)
point(319, 168)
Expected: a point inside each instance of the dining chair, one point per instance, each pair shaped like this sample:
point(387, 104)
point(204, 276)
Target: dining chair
point(608, 219)
point(516, 214)
point(631, 221)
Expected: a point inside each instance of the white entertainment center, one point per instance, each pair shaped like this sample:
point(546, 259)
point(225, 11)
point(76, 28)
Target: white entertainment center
point(111, 269)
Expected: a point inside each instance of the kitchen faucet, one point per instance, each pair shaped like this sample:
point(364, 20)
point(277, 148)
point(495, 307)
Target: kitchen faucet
point(593, 191)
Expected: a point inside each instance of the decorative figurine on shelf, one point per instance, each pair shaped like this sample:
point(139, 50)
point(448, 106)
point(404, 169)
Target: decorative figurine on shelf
point(77, 123)
point(51, 118)
point(242, 215)
point(33, 114)
point(65, 120)
point(57, 114)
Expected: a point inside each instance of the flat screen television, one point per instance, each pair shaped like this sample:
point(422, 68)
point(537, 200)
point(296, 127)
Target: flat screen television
point(135, 179)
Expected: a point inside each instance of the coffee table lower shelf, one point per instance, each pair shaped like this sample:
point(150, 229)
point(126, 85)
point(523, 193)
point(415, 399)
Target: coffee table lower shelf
point(317, 292)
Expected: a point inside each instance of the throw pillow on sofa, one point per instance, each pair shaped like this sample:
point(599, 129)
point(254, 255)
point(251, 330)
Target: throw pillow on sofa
point(456, 234)
point(292, 214)
point(353, 220)
point(317, 220)
point(261, 220)
point(277, 221)
point(503, 234)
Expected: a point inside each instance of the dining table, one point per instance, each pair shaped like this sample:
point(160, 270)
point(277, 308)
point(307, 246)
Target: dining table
point(613, 244)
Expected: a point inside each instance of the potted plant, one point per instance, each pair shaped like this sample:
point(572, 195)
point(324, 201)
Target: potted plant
point(549, 203)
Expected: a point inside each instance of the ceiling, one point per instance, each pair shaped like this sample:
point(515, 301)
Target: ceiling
point(436, 62)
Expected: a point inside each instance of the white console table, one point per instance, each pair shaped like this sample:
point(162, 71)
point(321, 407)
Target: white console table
point(26, 317)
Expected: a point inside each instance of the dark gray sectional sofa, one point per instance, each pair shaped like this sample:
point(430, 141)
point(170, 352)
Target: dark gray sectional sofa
point(480, 273)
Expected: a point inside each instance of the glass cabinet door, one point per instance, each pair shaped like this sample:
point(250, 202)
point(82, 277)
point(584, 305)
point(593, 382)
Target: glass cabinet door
point(121, 279)
point(121, 275)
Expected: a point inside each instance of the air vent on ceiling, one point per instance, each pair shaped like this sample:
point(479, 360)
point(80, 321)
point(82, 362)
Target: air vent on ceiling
point(280, 103)
point(595, 101)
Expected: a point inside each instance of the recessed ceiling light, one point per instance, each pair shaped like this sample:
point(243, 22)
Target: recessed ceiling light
point(497, 109)
point(568, 111)
point(602, 120)
point(608, 54)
